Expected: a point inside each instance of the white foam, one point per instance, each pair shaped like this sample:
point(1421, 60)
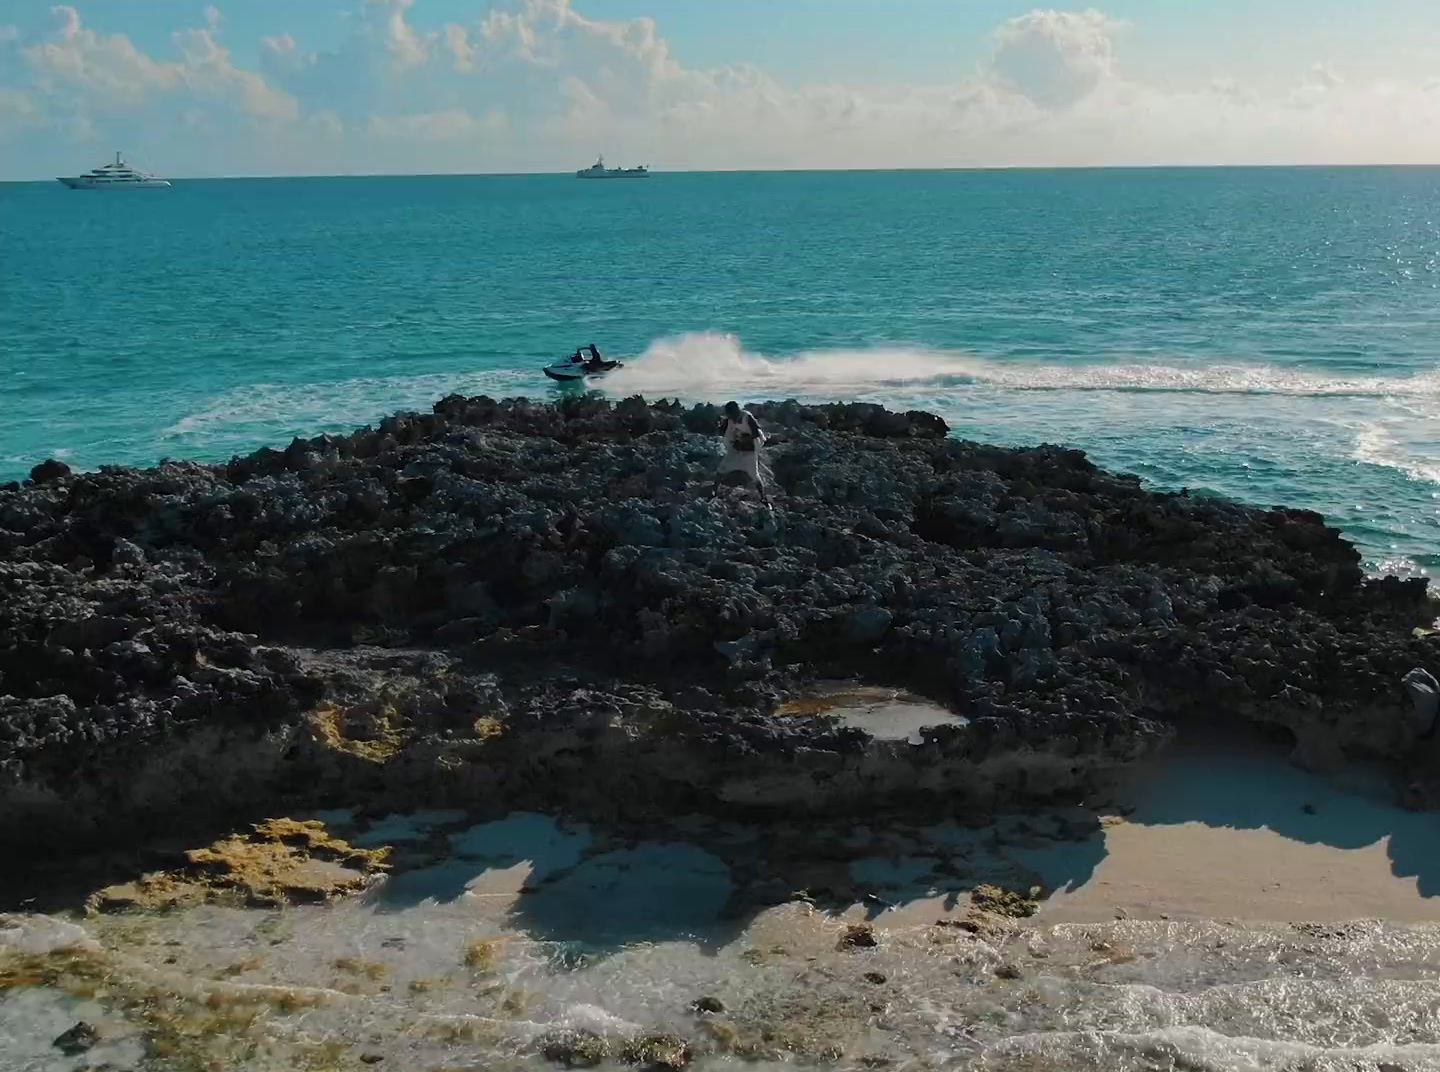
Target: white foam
point(1191, 1046)
point(31, 935)
point(702, 364)
point(255, 409)
point(587, 1017)
point(1375, 444)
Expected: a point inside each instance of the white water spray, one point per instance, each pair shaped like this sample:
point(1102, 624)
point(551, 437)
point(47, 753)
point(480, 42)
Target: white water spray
point(706, 365)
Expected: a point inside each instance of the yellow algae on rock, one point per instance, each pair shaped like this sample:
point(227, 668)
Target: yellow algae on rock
point(374, 735)
point(488, 726)
point(1002, 902)
point(208, 1025)
point(858, 936)
point(576, 1048)
point(74, 970)
point(483, 954)
point(280, 861)
point(355, 966)
point(668, 1052)
point(240, 967)
point(814, 1027)
point(808, 705)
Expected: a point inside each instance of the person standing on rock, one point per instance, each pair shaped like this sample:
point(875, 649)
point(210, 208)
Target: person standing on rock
point(743, 440)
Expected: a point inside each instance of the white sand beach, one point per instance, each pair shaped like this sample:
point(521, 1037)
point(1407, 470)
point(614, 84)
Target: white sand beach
point(1230, 832)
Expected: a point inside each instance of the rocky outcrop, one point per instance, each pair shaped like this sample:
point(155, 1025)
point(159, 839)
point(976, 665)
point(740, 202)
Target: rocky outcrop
point(544, 594)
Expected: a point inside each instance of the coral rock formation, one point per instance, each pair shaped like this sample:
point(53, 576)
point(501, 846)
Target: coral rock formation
point(508, 600)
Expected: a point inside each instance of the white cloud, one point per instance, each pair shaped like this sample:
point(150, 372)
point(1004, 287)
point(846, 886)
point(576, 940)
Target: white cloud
point(107, 68)
point(18, 110)
point(1054, 57)
point(457, 43)
point(107, 72)
point(452, 124)
point(1322, 77)
point(538, 85)
point(326, 124)
point(208, 69)
point(71, 19)
point(9, 33)
point(281, 52)
point(407, 48)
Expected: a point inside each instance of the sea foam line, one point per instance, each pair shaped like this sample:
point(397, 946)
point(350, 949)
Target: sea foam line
point(1375, 445)
point(308, 406)
point(701, 363)
point(712, 366)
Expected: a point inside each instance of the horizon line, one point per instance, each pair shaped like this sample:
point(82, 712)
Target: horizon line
point(970, 169)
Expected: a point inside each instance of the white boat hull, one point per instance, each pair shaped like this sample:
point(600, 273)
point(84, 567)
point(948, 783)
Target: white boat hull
point(598, 170)
point(564, 374)
point(569, 372)
point(81, 182)
point(116, 176)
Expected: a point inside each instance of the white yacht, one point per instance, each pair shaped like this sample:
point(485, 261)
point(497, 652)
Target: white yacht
point(116, 176)
point(598, 170)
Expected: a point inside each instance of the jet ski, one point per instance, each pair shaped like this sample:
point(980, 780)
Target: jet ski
point(568, 369)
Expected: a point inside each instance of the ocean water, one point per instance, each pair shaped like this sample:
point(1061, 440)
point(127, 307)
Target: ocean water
point(1267, 334)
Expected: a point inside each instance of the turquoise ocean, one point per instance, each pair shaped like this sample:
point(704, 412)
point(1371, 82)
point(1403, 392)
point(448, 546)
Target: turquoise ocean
point(1269, 334)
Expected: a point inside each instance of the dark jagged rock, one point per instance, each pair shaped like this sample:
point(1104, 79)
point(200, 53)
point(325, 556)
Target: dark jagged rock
point(48, 470)
point(76, 1040)
point(506, 601)
point(575, 1048)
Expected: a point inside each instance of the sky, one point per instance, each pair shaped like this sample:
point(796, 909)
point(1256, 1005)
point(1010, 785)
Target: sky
point(267, 87)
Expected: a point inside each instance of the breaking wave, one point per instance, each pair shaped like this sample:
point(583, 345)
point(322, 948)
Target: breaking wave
point(1376, 444)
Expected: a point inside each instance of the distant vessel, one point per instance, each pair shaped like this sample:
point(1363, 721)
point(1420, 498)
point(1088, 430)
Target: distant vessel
point(598, 170)
point(116, 176)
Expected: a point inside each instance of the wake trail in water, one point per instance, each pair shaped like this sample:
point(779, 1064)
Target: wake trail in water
point(704, 365)
point(347, 403)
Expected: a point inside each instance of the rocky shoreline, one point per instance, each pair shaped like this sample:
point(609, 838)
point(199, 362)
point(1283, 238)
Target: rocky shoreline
point(511, 604)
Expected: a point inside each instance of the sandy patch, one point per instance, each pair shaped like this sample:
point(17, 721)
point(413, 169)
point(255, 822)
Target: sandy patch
point(1236, 832)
